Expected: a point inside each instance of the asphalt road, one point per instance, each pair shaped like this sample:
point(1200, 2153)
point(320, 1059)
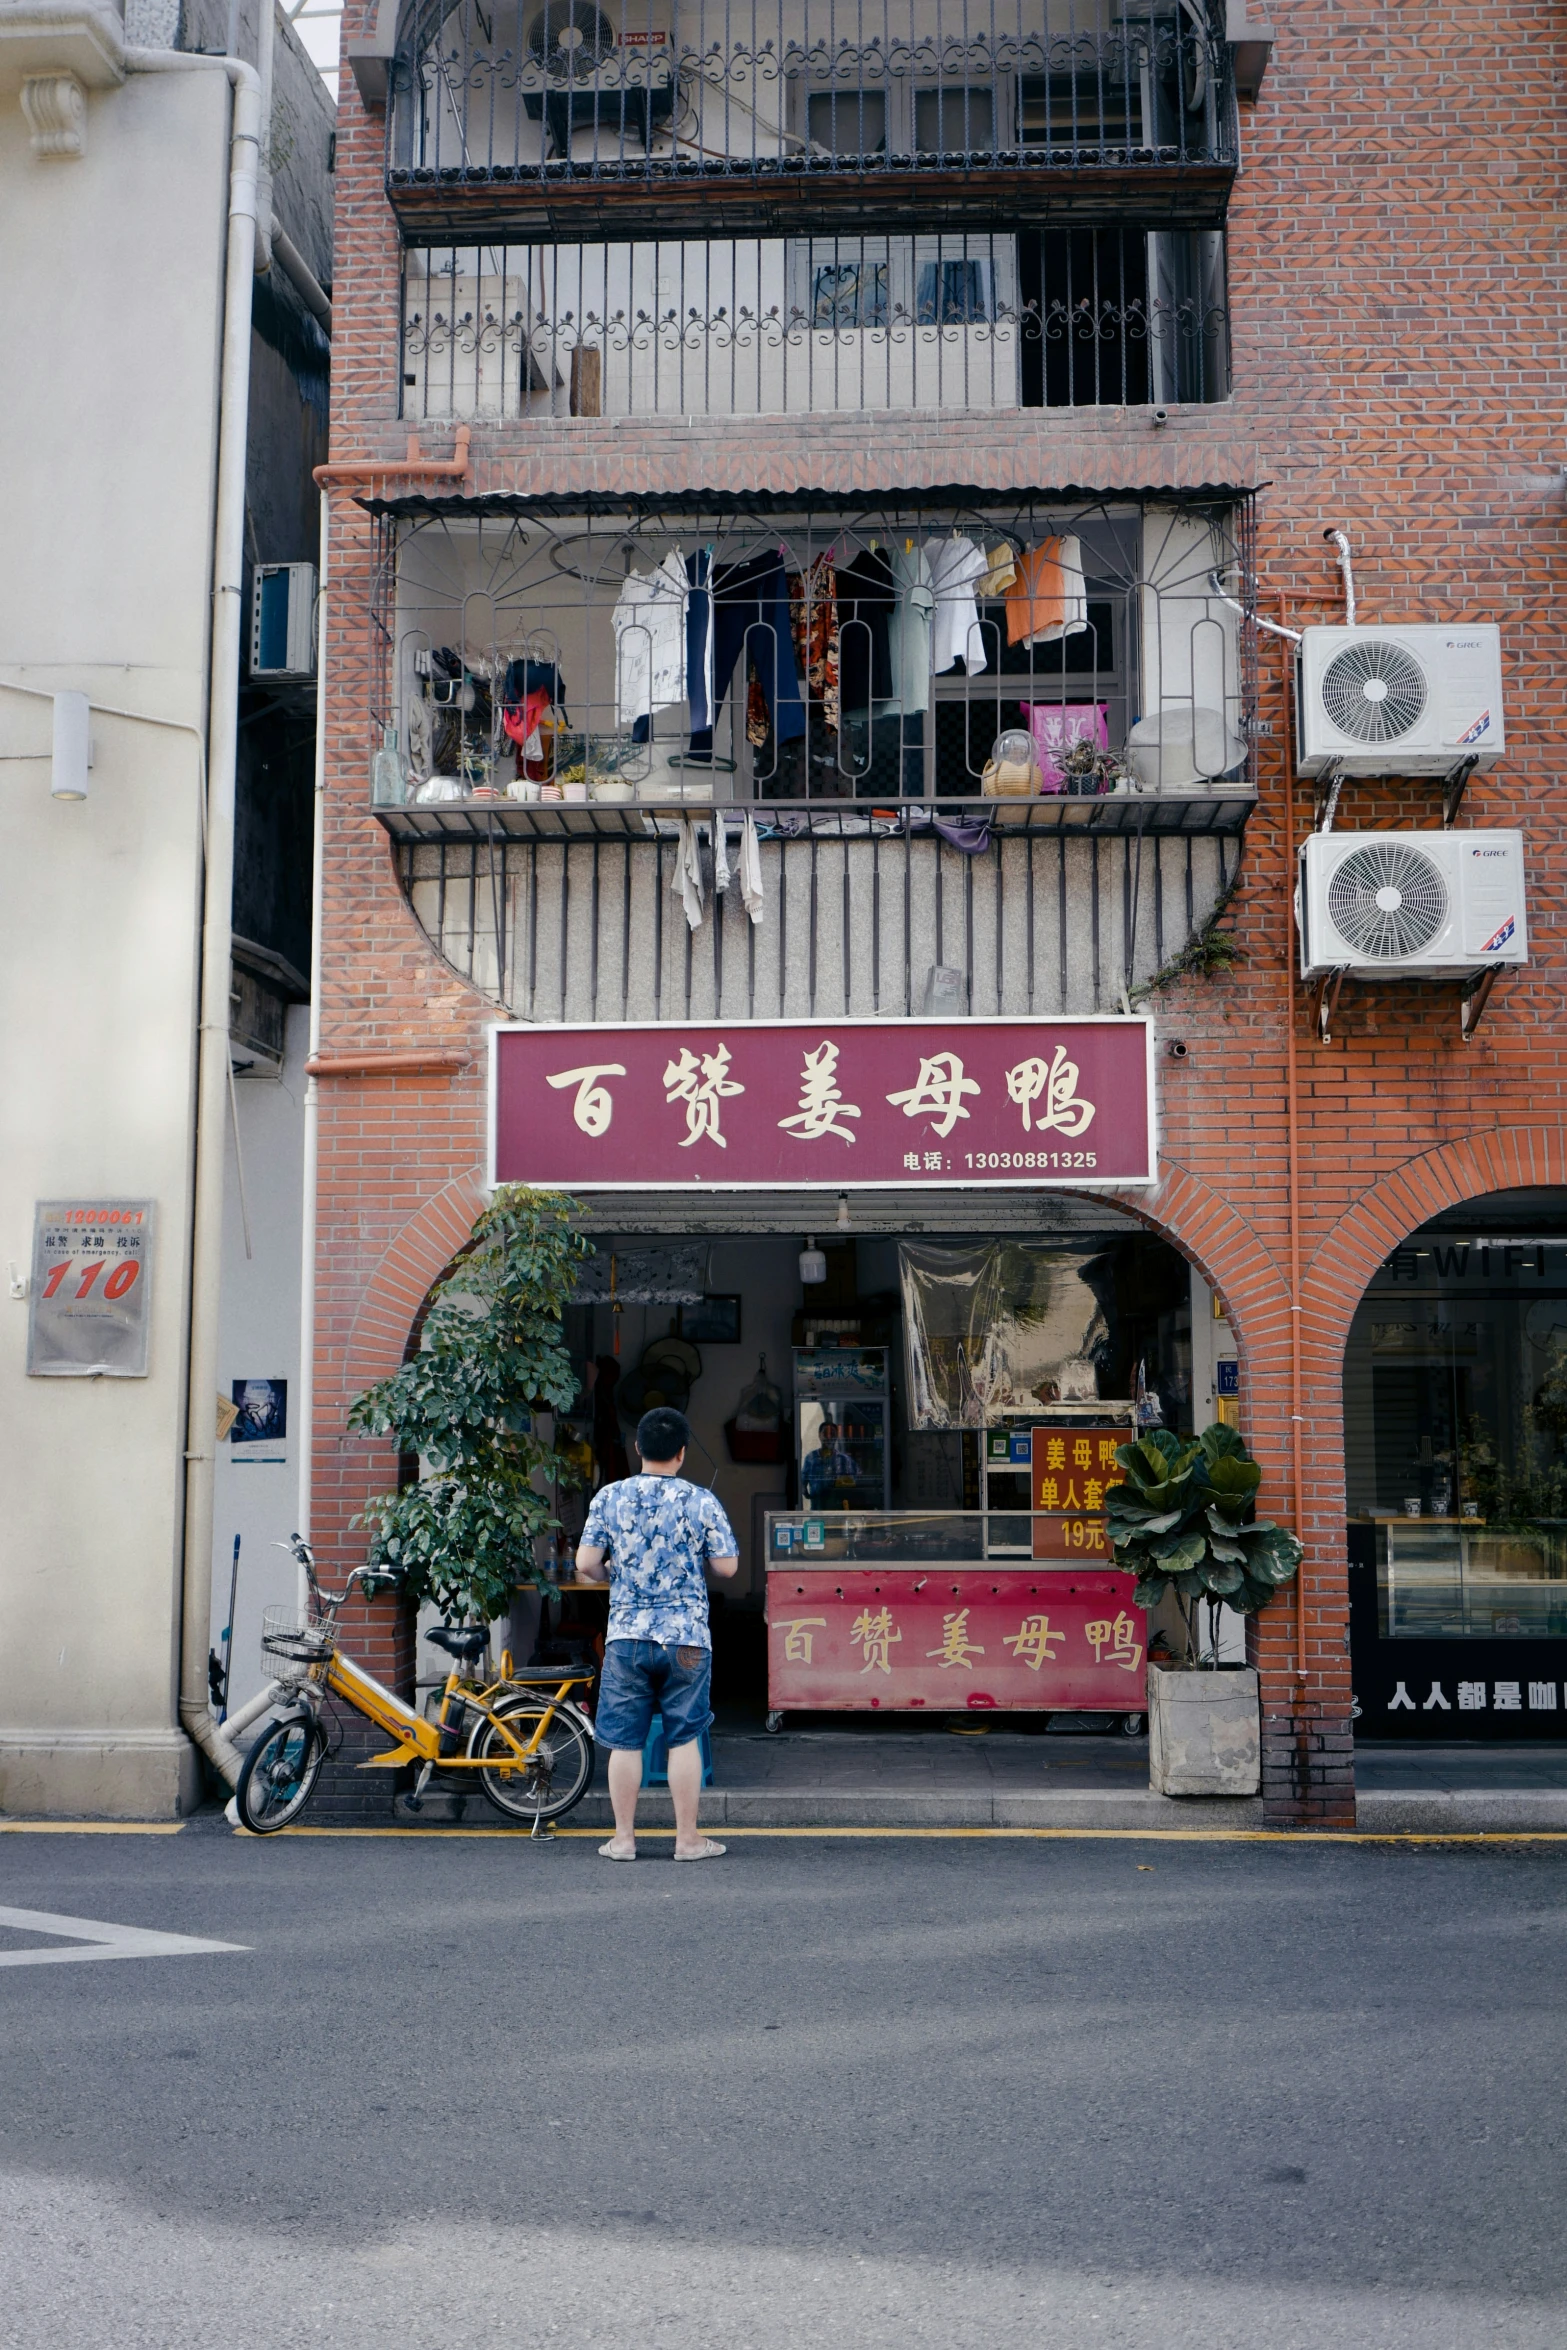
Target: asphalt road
point(872, 2094)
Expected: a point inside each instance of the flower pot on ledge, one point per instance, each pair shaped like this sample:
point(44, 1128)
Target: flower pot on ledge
point(1204, 1731)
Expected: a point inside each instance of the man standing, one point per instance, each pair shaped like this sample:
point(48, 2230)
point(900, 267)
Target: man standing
point(658, 1532)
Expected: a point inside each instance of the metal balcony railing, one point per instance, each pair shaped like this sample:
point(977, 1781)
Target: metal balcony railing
point(750, 115)
point(537, 661)
point(1047, 318)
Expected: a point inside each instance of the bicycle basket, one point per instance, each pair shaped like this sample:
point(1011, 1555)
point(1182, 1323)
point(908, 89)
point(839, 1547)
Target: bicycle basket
point(291, 1643)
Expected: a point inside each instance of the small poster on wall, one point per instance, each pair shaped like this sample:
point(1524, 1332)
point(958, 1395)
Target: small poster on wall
point(87, 1314)
point(260, 1420)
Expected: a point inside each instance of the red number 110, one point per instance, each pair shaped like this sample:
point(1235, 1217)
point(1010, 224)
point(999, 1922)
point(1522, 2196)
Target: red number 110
point(120, 1280)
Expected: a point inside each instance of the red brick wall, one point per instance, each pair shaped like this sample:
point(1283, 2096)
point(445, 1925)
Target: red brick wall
point(1394, 290)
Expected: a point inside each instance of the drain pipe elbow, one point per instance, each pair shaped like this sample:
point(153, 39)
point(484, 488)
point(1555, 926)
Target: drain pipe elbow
point(1340, 540)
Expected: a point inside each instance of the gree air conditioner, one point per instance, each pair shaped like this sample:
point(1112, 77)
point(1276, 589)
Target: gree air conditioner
point(283, 620)
point(585, 64)
point(1401, 902)
point(1399, 701)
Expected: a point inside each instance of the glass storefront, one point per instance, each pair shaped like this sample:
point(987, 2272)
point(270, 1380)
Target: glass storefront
point(1455, 1421)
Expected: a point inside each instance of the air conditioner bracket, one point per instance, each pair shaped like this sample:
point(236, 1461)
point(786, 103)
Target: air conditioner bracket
point(1453, 785)
point(1476, 995)
point(1327, 1003)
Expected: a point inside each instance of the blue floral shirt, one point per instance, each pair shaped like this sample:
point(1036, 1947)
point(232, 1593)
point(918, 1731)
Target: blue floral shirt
point(658, 1533)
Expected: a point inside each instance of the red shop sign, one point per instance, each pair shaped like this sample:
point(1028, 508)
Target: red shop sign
point(871, 1638)
point(750, 1105)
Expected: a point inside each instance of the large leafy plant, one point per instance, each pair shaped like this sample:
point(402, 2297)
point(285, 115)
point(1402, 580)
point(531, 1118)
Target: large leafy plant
point(1184, 1521)
point(491, 1355)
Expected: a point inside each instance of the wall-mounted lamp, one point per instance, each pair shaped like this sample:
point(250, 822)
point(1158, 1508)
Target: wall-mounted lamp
point(72, 751)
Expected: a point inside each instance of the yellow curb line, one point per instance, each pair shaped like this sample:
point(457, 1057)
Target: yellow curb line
point(457, 1835)
point(1034, 1835)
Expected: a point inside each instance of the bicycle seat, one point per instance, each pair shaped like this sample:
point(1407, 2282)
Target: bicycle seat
point(463, 1641)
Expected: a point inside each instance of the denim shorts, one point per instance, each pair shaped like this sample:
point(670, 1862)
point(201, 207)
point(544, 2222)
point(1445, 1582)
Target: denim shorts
point(642, 1678)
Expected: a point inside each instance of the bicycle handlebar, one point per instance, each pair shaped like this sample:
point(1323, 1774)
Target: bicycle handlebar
point(302, 1552)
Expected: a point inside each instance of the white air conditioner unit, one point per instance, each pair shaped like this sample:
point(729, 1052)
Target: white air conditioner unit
point(1398, 902)
point(1399, 701)
point(283, 620)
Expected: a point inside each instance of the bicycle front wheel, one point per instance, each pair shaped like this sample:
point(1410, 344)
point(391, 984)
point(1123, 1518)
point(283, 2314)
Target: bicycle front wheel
point(555, 1775)
point(280, 1774)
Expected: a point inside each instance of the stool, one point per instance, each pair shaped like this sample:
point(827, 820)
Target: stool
point(655, 1756)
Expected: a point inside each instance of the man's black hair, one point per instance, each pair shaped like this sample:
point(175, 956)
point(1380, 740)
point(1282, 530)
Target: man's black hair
point(662, 1433)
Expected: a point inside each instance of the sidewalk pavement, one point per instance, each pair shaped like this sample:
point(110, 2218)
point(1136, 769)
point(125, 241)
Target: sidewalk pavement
point(815, 1778)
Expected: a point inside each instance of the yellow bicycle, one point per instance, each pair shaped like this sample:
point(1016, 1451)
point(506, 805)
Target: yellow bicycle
point(525, 1735)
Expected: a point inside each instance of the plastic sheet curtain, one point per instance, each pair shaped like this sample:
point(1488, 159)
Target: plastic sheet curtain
point(999, 1328)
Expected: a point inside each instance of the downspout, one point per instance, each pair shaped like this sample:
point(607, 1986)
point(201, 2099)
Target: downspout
point(1292, 1177)
point(307, 1257)
point(212, 1073)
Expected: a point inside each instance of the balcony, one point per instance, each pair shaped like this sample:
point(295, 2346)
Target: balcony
point(606, 119)
point(598, 669)
point(1048, 318)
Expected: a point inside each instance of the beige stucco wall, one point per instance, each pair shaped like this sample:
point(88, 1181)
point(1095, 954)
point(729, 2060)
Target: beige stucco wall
point(111, 278)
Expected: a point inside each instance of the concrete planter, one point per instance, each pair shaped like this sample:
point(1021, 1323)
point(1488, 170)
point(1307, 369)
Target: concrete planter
point(1204, 1732)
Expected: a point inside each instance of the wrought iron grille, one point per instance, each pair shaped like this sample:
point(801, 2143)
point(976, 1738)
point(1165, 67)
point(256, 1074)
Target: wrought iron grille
point(1045, 318)
point(749, 651)
point(595, 928)
point(781, 110)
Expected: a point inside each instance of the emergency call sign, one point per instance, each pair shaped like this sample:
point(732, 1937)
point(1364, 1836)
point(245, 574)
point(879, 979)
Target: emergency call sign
point(87, 1299)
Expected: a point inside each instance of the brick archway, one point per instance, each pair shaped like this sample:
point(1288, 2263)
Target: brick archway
point(401, 1282)
point(1508, 1158)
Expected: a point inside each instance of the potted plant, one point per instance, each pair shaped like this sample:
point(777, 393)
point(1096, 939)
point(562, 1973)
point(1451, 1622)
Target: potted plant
point(1184, 1520)
point(490, 1356)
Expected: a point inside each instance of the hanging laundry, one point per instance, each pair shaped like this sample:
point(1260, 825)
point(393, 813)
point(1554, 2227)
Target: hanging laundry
point(756, 717)
point(649, 621)
point(533, 709)
point(750, 613)
point(956, 569)
point(686, 881)
point(750, 869)
point(909, 631)
point(1048, 600)
point(699, 637)
point(1000, 571)
point(867, 599)
point(813, 616)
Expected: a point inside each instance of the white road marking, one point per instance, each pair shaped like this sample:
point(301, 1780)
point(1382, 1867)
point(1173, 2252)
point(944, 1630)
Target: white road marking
point(91, 1938)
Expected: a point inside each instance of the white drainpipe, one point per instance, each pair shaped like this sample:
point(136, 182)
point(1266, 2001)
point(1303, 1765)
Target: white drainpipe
point(305, 1421)
point(212, 1077)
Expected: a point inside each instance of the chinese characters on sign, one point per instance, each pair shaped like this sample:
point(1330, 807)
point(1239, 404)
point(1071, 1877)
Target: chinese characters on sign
point(1470, 1697)
point(850, 1102)
point(853, 1638)
point(87, 1300)
point(1074, 1469)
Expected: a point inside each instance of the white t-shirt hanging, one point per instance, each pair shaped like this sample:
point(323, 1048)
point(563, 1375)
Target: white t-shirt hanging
point(956, 565)
point(649, 621)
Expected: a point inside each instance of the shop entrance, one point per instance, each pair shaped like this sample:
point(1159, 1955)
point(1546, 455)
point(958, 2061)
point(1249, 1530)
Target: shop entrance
point(1455, 1418)
point(871, 1393)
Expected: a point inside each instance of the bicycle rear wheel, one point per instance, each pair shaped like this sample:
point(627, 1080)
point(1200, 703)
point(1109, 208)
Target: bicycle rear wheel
point(555, 1775)
point(280, 1773)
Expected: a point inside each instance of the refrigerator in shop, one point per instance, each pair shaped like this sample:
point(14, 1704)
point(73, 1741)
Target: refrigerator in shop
point(841, 1406)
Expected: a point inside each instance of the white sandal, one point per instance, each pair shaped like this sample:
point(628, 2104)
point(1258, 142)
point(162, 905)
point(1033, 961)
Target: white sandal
point(708, 1851)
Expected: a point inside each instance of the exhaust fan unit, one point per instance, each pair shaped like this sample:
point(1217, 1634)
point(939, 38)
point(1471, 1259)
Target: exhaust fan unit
point(1399, 902)
point(1399, 701)
point(582, 65)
